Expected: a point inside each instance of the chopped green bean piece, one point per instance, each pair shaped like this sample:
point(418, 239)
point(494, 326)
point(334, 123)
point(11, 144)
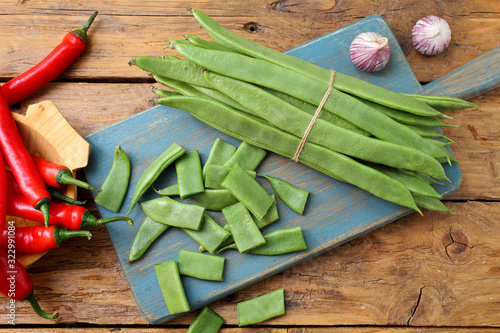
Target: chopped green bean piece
point(208, 321)
point(174, 213)
point(215, 199)
point(280, 241)
point(219, 154)
point(247, 156)
point(171, 286)
point(211, 235)
point(271, 215)
point(149, 231)
point(171, 190)
point(261, 308)
point(243, 228)
point(153, 171)
point(115, 185)
point(293, 197)
point(189, 176)
point(201, 266)
point(248, 191)
point(215, 174)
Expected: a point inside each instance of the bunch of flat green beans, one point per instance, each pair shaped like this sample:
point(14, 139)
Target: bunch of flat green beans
point(381, 141)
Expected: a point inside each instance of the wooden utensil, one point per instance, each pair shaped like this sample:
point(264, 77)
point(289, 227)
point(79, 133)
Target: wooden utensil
point(46, 133)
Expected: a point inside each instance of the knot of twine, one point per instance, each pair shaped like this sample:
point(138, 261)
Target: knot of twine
point(314, 118)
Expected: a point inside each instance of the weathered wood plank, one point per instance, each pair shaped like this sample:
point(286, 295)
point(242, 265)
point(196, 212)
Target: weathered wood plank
point(436, 270)
point(91, 107)
point(76, 329)
point(114, 37)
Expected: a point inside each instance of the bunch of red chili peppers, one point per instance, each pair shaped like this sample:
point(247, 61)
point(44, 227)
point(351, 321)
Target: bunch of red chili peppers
point(26, 190)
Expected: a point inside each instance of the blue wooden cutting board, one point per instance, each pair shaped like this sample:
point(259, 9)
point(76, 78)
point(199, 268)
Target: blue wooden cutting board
point(336, 212)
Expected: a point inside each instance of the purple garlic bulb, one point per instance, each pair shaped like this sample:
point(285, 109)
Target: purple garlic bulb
point(431, 35)
point(370, 51)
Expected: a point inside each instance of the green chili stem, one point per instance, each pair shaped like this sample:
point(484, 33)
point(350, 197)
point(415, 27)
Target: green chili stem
point(55, 194)
point(82, 32)
point(65, 178)
point(62, 235)
point(34, 304)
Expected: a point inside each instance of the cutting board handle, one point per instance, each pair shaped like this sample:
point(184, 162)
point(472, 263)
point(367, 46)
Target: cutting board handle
point(471, 79)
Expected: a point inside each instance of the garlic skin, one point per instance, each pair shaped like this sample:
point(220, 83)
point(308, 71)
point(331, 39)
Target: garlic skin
point(431, 35)
point(370, 51)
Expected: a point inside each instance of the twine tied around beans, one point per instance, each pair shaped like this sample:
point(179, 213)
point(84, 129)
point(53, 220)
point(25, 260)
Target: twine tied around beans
point(314, 118)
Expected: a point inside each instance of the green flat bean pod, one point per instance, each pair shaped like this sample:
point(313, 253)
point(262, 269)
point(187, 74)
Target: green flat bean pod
point(444, 103)
point(428, 179)
point(171, 287)
point(174, 213)
point(210, 236)
point(188, 89)
point(173, 42)
point(180, 87)
point(414, 184)
point(153, 171)
point(189, 176)
point(243, 228)
point(246, 128)
point(208, 44)
point(261, 308)
point(248, 191)
point(215, 174)
point(271, 216)
point(115, 185)
point(219, 96)
point(201, 266)
point(429, 132)
point(431, 204)
point(148, 232)
point(215, 199)
point(295, 198)
point(246, 156)
point(407, 118)
point(342, 82)
point(170, 190)
point(265, 74)
point(164, 93)
point(292, 120)
point(207, 321)
point(176, 69)
point(278, 242)
point(219, 153)
point(311, 109)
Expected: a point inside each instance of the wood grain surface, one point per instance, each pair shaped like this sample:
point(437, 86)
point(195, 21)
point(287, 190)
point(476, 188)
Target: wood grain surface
point(437, 273)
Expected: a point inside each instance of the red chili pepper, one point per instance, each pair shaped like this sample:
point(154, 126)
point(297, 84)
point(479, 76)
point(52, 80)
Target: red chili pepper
point(20, 162)
point(63, 55)
point(16, 283)
point(57, 175)
point(38, 239)
point(13, 188)
point(69, 216)
point(3, 194)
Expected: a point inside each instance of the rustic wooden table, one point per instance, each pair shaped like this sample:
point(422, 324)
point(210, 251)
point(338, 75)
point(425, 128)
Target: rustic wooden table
point(437, 272)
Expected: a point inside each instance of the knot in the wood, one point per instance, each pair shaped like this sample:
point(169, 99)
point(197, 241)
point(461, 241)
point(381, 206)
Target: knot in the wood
point(252, 27)
point(457, 246)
